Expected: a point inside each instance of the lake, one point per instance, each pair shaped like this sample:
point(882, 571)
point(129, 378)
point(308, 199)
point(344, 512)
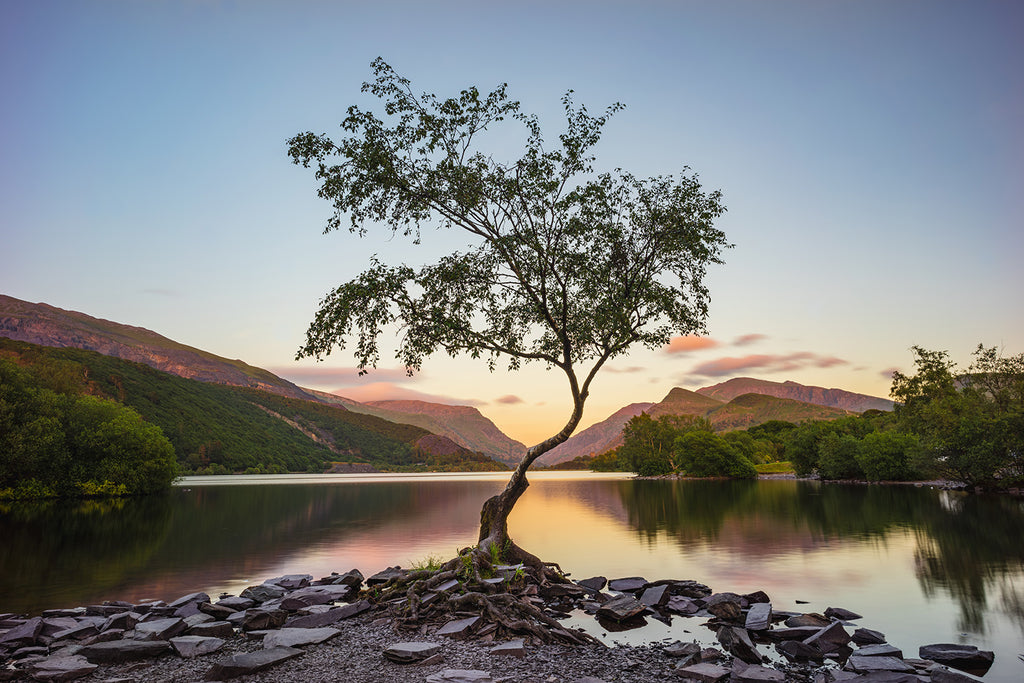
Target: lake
point(922, 565)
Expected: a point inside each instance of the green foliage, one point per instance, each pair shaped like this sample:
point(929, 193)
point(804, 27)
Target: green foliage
point(837, 456)
point(701, 453)
point(970, 425)
point(888, 456)
point(648, 444)
point(565, 266)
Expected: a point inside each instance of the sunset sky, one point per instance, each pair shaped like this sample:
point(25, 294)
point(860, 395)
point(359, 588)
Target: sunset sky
point(870, 154)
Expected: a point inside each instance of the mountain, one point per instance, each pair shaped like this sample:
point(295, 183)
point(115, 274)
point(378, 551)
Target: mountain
point(595, 439)
point(834, 398)
point(748, 410)
point(464, 425)
point(50, 326)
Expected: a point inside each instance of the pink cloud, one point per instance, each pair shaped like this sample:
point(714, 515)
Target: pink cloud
point(747, 339)
point(509, 399)
point(769, 363)
point(888, 372)
point(387, 391)
point(690, 342)
point(629, 370)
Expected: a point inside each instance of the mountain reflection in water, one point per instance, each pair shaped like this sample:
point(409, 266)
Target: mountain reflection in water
point(922, 565)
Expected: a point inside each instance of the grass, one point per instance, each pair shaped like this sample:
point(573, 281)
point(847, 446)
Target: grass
point(775, 468)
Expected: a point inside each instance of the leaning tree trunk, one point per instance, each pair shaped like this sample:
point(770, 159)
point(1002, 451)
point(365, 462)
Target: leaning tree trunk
point(495, 511)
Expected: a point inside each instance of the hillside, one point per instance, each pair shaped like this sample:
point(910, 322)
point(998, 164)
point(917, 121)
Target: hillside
point(47, 325)
point(748, 410)
point(234, 428)
point(833, 398)
point(464, 425)
point(597, 438)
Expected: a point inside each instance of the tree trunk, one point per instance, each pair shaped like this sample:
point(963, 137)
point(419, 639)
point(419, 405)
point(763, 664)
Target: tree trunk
point(495, 511)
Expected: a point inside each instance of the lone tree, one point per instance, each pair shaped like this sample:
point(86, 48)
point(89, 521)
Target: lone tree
point(563, 265)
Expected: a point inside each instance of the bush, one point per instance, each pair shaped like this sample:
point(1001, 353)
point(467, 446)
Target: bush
point(703, 454)
point(888, 456)
point(837, 457)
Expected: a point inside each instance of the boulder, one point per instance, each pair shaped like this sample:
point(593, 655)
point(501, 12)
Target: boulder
point(737, 641)
point(513, 647)
point(797, 651)
point(757, 674)
point(964, 657)
point(117, 651)
point(841, 614)
point(759, 617)
point(407, 653)
point(809, 619)
point(194, 646)
point(159, 629)
point(219, 611)
point(191, 598)
point(864, 665)
point(261, 593)
point(689, 589)
point(655, 596)
point(705, 672)
point(329, 617)
point(386, 575)
point(77, 632)
point(23, 634)
point(756, 597)
point(297, 637)
point(682, 605)
point(595, 583)
point(213, 629)
point(879, 650)
point(865, 636)
point(250, 662)
point(680, 650)
point(290, 581)
point(631, 584)
point(458, 629)
point(62, 668)
point(940, 674)
point(236, 603)
point(257, 620)
point(828, 637)
point(621, 608)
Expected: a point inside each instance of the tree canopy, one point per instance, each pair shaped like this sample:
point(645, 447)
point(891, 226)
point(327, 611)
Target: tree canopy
point(563, 264)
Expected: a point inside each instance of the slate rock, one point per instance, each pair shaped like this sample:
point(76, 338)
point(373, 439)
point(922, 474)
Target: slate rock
point(866, 636)
point(726, 611)
point(680, 649)
point(689, 589)
point(705, 672)
point(879, 650)
point(219, 612)
point(122, 620)
point(257, 620)
point(407, 653)
point(159, 629)
point(195, 646)
point(352, 578)
point(655, 596)
point(191, 598)
point(756, 597)
point(757, 674)
point(296, 637)
point(940, 674)
point(458, 629)
point(630, 584)
point(290, 581)
point(213, 629)
point(117, 651)
point(842, 614)
point(808, 619)
point(24, 634)
point(737, 641)
point(759, 617)
point(236, 603)
point(386, 575)
point(797, 651)
point(515, 647)
point(861, 664)
point(964, 657)
point(62, 668)
point(78, 632)
point(250, 662)
point(828, 636)
point(263, 592)
point(794, 633)
point(460, 676)
point(594, 583)
point(329, 617)
point(621, 608)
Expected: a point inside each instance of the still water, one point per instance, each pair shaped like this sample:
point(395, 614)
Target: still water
point(921, 565)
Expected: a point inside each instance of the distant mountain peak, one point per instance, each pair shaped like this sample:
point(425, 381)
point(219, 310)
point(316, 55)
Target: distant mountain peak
point(833, 398)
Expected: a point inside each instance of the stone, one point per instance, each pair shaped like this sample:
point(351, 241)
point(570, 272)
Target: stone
point(236, 603)
point(159, 629)
point(123, 620)
point(809, 619)
point(689, 589)
point(219, 612)
point(680, 649)
point(558, 591)
point(682, 605)
point(195, 646)
point(78, 632)
point(705, 672)
point(386, 575)
point(447, 585)
point(62, 668)
point(797, 651)
point(759, 617)
point(460, 676)
point(51, 625)
point(250, 662)
point(297, 637)
point(353, 578)
point(940, 674)
point(656, 596)
point(256, 620)
point(828, 636)
point(757, 674)
point(307, 597)
point(191, 598)
point(117, 651)
point(514, 647)
point(290, 581)
point(879, 650)
point(621, 608)
point(841, 614)
point(263, 592)
point(23, 634)
point(794, 633)
point(407, 653)
point(737, 641)
point(865, 636)
point(196, 619)
point(329, 617)
point(864, 665)
point(458, 629)
point(594, 583)
point(630, 584)
point(756, 597)
point(213, 629)
point(727, 611)
point(964, 657)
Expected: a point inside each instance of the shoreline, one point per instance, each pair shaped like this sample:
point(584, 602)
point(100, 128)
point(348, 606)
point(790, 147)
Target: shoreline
point(332, 633)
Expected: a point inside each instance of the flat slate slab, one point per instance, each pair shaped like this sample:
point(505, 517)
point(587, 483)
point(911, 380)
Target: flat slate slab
point(329, 617)
point(629, 584)
point(195, 646)
point(406, 653)
point(757, 674)
point(62, 668)
point(159, 629)
point(515, 648)
point(705, 672)
point(964, 657)
point(458, 628)
point(250, 662)
point(116, 651)
point(621, 608)
point(759, 617)
point(864, 665)
point(296, 637)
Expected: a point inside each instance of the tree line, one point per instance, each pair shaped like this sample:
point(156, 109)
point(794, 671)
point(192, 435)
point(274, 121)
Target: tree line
point(960, 425)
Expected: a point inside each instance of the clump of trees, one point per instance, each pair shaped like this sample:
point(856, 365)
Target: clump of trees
point(54, 444)
point(688, 445)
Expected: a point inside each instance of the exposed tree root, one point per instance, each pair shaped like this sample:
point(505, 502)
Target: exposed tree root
point(502, 595)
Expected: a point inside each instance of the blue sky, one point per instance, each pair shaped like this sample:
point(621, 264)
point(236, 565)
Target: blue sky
point(871, 155)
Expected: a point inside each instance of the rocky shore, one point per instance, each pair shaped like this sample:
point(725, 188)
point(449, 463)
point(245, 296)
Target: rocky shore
point(295, 628)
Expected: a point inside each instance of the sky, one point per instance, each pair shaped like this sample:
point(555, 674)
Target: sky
point(870, 154)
